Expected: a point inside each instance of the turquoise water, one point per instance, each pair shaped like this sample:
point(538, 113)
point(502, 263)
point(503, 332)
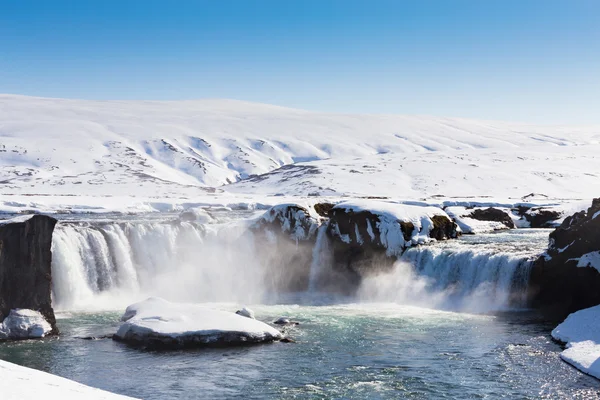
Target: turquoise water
point(350, 351)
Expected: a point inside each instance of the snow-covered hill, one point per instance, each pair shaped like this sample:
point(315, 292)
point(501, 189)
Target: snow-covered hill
point(152, 149)
point(565, 172)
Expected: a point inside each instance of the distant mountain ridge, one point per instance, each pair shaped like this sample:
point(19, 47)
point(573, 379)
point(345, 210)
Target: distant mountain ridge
point(61, 146)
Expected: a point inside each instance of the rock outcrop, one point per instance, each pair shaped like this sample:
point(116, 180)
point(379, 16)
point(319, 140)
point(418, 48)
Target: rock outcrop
point(285, 235)
point(541, 217)
point(567, 277)
point(25, 266)
point(369, 236)
point(493, 215)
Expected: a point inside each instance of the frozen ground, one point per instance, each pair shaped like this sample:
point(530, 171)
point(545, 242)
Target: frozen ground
point(138, 156)
point(581, 334)
point(19, 383)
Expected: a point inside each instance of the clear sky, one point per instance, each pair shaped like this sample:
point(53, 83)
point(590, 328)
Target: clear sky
point(525, 60)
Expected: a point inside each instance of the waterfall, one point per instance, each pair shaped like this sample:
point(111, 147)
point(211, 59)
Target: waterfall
point(453, 277)
point(109, 265)
point(320, 259)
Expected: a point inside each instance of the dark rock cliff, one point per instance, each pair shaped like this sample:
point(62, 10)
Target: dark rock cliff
point(561, 281)
point(25, 266)
point(361, 240)
point(286, 235)
point(493, 214)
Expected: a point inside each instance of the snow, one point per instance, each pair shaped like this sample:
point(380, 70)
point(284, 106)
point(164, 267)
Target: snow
point(591, 259)
point(146, 156)
point(158, 319)
point(461, 216)
point(389, 214)
point(24, 324)
point(16, 220)
point(20, 383)
point(299, 220)
point(246, 312)
point(196, 214)
point(581, 333)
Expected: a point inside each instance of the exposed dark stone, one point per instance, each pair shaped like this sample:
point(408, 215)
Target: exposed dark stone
point(323, 209)
point(286, 236)
point(358, 248)
point(443, 228)
point(541, 218)
point(156, 341)
point(492, 214)
point(25, 267)
point(557, 285)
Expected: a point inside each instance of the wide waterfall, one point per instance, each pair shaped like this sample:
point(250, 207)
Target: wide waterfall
point(108, 265)
point(111, 264)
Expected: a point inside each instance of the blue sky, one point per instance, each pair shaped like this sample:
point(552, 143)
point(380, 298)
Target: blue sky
point(527, 60)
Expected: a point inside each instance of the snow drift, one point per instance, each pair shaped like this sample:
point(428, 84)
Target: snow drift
point(581, 334)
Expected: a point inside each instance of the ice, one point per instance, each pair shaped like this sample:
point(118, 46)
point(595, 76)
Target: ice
point(581, 333)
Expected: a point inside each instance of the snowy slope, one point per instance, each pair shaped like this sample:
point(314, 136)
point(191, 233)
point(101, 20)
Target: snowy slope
point(581, 334)
point(185, 149)
point(20, 383)
point(559, 172)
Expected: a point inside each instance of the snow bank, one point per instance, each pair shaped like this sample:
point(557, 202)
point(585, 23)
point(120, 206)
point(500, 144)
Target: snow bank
point(591, 259)
point(581, 333)
point(196, 214)
point(158, 323)
point(20, 383)
point(24, 324)
point(16, 220)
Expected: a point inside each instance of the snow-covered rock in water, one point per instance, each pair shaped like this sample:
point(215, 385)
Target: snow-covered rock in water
point(581, 334)
point(196, 214)
point(21, 383)
point(246, 312)
point(388, 226)
point(567, 277)
point(158, 323)
point(24, 324)
point(482, 220)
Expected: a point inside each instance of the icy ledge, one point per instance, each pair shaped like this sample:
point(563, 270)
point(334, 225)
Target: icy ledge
point(19, 383)
point(158, 323)
point(24, 324)
point(581, 333)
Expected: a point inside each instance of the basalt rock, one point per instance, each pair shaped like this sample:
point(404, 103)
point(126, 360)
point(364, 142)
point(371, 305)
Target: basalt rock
point(562, 281)
point(538, 217)
point(364, 242)
point(286, 235)
point(25, 266)
point(492, 214)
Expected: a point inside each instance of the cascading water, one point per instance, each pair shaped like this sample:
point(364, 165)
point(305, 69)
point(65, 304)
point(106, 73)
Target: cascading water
point(111, 264)
point(107, 265)
point(320, 258)
point(476, 274)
